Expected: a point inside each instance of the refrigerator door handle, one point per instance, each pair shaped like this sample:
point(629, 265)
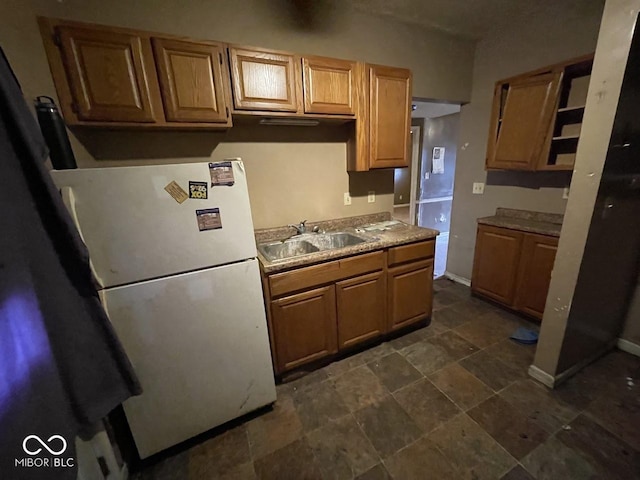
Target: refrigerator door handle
point(69, 200)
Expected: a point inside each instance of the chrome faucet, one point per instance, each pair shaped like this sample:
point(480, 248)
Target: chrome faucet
point(300, 229)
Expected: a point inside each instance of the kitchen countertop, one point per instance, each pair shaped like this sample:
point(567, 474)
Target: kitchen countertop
point(526, 221)
point(398, 234)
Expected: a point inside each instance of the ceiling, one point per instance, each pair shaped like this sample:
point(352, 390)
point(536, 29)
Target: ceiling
point(433, 109)
point(466, 18)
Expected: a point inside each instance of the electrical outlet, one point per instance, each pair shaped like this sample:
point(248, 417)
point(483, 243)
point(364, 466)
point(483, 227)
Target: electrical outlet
point(371, 197)
point(478, 188)
point(347, 198)
point(565, 193)
point(400, 197)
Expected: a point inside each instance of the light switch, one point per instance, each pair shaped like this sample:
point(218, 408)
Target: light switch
point(478, 188)
point(565, 193)
point(347, 198)
point(371, 197)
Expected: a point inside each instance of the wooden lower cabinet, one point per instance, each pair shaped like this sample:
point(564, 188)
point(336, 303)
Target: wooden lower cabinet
point(318, 310)
point(305, 327)
point(514, 268)
point(536, 264)
point(361, 305)
point(409, 293)
point(495, 268)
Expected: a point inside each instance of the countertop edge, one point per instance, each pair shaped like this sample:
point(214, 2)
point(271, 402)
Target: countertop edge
point(532, 226)
point(329, 255)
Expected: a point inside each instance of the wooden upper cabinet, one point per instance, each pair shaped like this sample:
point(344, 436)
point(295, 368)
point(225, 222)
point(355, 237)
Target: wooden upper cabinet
point(495, 264)
point(389, 116)
point(264, 80)
point(536, 264)
point(523, 127)
point(537, 117)
point(108, 74)
point(329, 85)
point(192, 79)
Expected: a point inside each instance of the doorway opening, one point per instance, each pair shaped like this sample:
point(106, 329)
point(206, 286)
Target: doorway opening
point(423, 192)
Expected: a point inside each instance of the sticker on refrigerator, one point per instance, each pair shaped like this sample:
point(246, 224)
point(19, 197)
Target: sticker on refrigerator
point(209, 219)
point(198, 190)
point(221, 174)
point(176, 191)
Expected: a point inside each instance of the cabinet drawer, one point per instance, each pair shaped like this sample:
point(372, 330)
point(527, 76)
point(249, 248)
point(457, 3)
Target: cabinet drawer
point(369, 262)
point(409, 253)
point(286, 282)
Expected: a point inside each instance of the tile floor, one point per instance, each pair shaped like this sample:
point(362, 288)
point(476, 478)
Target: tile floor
point(450, 401)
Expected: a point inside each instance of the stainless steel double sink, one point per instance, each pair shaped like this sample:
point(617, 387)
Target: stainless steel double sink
point(308, 243)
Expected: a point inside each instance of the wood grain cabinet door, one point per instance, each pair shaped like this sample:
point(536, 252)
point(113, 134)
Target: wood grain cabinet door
point(538, 257)
point(329, 85)
point(108, 73)
point(410, 293)
point(523, 127)
point(361, 303)
point(390, 116)
point(305, 327)
point(495, 265)
point(264, 80)
point(191, 80)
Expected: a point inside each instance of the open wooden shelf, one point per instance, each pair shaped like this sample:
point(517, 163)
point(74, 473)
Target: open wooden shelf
point(566, 138)
point(570, 114)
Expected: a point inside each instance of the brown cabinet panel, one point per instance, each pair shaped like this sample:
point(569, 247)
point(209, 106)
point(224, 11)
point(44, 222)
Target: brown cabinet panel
point(522, 127)
point(264, 80)
point(308, 277)
point(192, 80)
point(538, 257)
point(409, 293)
point(329, 85)
point(411, 252)
point(361, 305)
point(495, 265)
point(108, 73)
point(390, 116)
point(305, 327)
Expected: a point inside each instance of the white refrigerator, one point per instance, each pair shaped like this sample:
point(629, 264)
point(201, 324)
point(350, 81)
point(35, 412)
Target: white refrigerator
point(172, 247)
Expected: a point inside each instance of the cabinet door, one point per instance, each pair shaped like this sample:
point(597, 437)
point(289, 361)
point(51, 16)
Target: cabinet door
point(329, 85)
point(191, 80)
point(264, 80)
point(305, 327)
point(410, 293)
point(495, 265)
point(390, 116)
point(538, 256)
point(108, 73)
point(522, 129)
point(361, 309)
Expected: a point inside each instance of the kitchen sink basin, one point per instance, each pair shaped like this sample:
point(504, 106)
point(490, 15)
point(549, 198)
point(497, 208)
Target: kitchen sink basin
point(290, 248)
point(308, 243)
point(329, 241)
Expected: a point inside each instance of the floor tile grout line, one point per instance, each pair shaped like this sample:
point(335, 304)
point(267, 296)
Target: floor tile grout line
point(493, 438)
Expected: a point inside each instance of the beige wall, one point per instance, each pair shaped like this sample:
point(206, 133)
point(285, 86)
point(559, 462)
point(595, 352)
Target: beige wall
point(614, 41)
point(557, 32)
point(294, 176)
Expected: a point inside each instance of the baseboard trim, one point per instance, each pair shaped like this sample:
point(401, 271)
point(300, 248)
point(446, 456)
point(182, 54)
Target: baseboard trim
point(457, 278)
point(629, 347)
point(552, 382)
point(542, 376)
